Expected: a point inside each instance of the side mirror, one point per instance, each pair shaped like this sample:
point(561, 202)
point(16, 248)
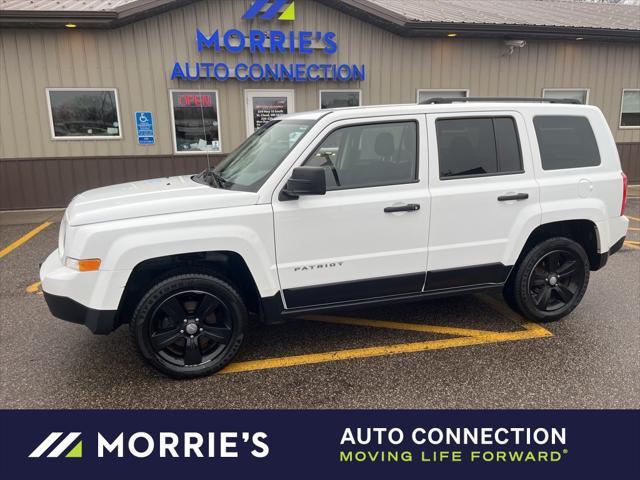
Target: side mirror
point(306, 181)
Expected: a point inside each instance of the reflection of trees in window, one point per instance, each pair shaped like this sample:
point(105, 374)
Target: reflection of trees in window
point(84, 113)
point(339, 99)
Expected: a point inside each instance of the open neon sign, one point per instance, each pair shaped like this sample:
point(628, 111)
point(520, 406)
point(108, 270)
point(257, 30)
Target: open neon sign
point(195, 101)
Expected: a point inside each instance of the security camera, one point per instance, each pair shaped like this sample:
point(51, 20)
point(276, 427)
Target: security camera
point(512, 44)
point(515, 43)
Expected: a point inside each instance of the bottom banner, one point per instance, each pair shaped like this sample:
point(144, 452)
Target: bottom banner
point(317, 444)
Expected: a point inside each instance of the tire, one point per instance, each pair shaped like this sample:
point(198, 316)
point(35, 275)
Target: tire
point(189, 325)
point(551, 280)
point(509, 293)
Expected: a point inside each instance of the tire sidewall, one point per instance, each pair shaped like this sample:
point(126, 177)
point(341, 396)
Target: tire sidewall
point(140, 323)
point(523, 298)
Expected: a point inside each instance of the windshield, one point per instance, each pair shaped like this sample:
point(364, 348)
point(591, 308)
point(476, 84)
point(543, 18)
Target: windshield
point(249, 165)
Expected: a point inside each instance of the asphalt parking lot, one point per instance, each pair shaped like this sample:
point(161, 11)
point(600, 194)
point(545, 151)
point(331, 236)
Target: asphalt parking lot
point(462, 352)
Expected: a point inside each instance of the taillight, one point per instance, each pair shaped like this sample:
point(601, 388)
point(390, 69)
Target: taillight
point(624, 194)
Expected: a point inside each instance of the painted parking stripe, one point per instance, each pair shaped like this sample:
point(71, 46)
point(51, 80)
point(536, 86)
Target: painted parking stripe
point(633, 218)
point(412, 327)
point(34, 288)
point(25, 238)
point(466, 337)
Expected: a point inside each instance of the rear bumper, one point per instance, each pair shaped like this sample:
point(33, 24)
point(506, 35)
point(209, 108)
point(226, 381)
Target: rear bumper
point(64, 308)
point(604, 257)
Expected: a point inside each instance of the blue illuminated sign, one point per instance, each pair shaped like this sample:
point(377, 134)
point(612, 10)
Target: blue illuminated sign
point(272, 42)
point(144, 128)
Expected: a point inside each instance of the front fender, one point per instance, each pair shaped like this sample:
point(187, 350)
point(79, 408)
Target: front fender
point(247, 231)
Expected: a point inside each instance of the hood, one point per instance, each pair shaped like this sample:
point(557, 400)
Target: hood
point(151, 197)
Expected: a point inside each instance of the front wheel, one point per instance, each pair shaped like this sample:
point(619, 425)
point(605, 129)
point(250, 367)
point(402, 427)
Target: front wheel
point(551, 280)
point(189, 325)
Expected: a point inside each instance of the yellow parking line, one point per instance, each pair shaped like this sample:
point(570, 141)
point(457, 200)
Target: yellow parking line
point(506, 312)
point(34, 287)
point(633, 218)
point(633, 229)
point(413, 327)
point(632, 242)
point(24, 239)
point(380, 351)
point(631, 245)
point(465, 337)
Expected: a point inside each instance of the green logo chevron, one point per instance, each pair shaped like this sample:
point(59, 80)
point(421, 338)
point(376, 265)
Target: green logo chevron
point(75, 452)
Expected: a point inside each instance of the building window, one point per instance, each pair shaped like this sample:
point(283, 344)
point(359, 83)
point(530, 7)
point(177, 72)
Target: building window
point(471, 147)
point(566, 142)
point(340, 98)
point(424, 95)
point(83, 113)
point(580, 94)
point(195, 121)
point(630, 110)
point(368, 155)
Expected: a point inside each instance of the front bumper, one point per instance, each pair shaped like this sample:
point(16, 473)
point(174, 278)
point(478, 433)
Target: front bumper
point(64, 308)
point(87, 298)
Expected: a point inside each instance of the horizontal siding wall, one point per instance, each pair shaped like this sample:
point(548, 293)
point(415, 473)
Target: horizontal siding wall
point(137, 59)
point(630, 159)
point(53, 182)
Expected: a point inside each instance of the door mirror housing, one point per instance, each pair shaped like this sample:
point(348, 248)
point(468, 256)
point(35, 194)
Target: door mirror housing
point(306, 181)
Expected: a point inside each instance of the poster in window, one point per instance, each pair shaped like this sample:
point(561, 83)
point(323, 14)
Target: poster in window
point(266, 109)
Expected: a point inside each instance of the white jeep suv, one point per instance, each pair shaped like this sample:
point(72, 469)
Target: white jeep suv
point(342, 208)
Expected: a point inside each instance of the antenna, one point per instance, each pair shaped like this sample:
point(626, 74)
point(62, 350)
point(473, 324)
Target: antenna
point(204, 128)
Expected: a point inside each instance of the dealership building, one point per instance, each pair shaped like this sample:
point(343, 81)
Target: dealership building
point(95, 92)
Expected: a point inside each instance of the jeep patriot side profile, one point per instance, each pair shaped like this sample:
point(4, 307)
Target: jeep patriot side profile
point(340, 208)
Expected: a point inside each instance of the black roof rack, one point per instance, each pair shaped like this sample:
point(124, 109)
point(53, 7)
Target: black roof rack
point(439, 100)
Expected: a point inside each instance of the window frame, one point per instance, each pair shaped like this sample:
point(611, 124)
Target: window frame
point(569, 89)
point(339, 90)
point(48, 91)
point(173, 122)
point(419, 90)
point(479, 175)
point(626, 127)
point(360, 124)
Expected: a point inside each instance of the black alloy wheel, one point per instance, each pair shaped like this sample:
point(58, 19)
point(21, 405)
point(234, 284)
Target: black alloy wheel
point(550, 281)
point(189, 325)
point(190, 328)
point(556, 280)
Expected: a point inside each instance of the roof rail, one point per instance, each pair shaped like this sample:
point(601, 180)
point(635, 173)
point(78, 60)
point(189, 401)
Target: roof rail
point(439, 100)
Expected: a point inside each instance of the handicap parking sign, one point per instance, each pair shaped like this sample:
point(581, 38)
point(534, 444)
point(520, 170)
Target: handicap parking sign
point(144, 128)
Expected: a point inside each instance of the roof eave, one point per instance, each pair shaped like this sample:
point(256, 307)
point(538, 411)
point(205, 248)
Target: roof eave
point(400, 25)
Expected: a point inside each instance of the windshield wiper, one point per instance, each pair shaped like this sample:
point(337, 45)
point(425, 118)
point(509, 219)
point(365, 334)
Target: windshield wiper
point(214, 179)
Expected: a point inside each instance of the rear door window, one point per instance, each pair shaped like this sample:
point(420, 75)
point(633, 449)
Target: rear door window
point(479, 146)
point(566, 142)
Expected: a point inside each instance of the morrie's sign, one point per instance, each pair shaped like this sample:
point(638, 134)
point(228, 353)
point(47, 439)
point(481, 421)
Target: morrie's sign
point(272, 42)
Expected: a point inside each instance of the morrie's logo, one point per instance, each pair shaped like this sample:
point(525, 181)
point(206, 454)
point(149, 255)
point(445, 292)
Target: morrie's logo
point(61, 447)
point(270, 8)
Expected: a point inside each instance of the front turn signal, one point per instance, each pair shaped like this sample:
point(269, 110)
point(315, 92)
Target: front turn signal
point(89, 265)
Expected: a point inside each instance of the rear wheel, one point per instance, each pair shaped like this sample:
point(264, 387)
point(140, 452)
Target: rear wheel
point(189, 325)
point(551, 280)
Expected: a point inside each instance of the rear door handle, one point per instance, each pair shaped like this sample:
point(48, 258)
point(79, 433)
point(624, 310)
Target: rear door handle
point(513, 196)
point(410, 207)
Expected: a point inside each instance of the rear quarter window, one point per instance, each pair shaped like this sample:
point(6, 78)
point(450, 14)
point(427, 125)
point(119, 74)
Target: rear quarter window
point(566, 142)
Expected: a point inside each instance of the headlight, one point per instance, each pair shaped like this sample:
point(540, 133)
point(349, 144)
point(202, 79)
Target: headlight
point(88, 265)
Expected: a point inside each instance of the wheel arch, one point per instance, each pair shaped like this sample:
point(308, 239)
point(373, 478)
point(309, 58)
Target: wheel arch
point(582, 231)
point(227, 265)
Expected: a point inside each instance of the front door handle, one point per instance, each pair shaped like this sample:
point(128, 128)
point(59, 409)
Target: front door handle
point(513, 196)
point(410, 207)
